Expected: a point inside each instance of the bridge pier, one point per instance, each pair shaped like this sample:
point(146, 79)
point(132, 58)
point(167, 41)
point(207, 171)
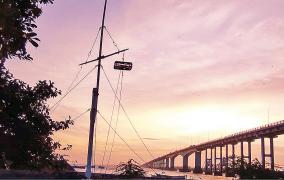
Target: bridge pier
point(220, 169)
point(172, 163)
point(249, 152)
point(167, 163)
point(221, 159)
point(211, 163)
point(215, 159)
point(264, 155)
point(197, 168)
point(185, 163)
point(242, 153)
point(208, 162)
point(233, 154)
point(262, 152)
point(227, 157)
point(271, 153)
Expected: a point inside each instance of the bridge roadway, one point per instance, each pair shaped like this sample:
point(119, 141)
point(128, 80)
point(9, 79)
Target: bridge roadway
point(218, 164)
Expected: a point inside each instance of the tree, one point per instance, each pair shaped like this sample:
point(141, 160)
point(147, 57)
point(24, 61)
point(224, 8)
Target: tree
point(26, 127)
point(254, 170)
point(17, 24)
point(129, 169)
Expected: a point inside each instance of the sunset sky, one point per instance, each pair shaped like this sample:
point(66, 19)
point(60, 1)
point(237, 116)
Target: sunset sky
point(201, 70)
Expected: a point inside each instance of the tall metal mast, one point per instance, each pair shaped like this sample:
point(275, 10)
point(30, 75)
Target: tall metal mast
point(118, 65)
point(93, 112)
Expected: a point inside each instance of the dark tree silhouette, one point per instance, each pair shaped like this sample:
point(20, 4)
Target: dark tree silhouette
point(17, 24)
point(26, 128)
point(251, 171)
point(25, 125)
point(131, 169)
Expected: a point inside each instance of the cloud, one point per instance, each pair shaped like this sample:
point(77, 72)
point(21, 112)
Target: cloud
point(152, 139)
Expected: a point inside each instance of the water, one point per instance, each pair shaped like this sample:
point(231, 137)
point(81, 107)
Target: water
point(150, 172)
point(189, 175)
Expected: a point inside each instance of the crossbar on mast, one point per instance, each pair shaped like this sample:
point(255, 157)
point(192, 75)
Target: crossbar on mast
point(102, 57)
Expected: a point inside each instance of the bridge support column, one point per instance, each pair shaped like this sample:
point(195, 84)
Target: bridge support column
point(162, 164)
point(197, 168)
point(242, 153)
point(249, 152)
point(233, 154)
point(206, 161)
point(271, 153)
point(167, 163)
point(215, 159)
point(185, 163)
point(262, 152)
point(172, 164)
point(221, 159)
point(211, 162)
point(227, 158)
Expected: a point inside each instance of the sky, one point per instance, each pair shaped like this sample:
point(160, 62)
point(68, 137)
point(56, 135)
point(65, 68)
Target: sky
point(201, 70)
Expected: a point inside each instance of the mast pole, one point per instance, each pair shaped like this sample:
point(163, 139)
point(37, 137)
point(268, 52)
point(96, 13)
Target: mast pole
point(95, 95)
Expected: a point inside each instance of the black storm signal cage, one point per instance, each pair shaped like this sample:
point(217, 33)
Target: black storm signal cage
point(121, 65)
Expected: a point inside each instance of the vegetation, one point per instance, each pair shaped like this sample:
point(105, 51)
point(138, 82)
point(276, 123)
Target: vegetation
point(17, 24)
point(251, 171)
point(26, 127)
point(131, 169)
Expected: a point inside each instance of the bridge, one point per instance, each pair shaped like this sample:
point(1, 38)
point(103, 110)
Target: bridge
point(218, 163)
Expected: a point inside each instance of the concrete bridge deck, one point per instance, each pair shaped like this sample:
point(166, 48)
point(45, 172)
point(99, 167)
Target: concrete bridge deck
point(270, 131)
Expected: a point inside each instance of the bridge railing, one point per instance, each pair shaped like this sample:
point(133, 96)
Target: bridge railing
point(245, 132)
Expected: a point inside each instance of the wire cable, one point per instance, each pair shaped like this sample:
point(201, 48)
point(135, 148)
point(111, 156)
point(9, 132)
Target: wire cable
point(80, 115)
point(112, 112)
point(120, 137)
point(55, 106)
point(68, 92)
point(113, 42)
point(94, 42)
point(117, 117)
point(124, 140)
point(127, 115)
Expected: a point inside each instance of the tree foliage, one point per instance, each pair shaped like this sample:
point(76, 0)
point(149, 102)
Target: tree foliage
point(131, 169)
point(254, 170)
point(26, 127)
point(17, 25)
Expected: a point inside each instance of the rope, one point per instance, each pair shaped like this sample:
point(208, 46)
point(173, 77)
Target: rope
point(56, 105)
point(124, 141)
point(113, 106)
point(127, 115)
point(94, 42)
point(120, 137)
point(68, 92)
point(118, 111)
point(80, 115)
point(113, 42)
